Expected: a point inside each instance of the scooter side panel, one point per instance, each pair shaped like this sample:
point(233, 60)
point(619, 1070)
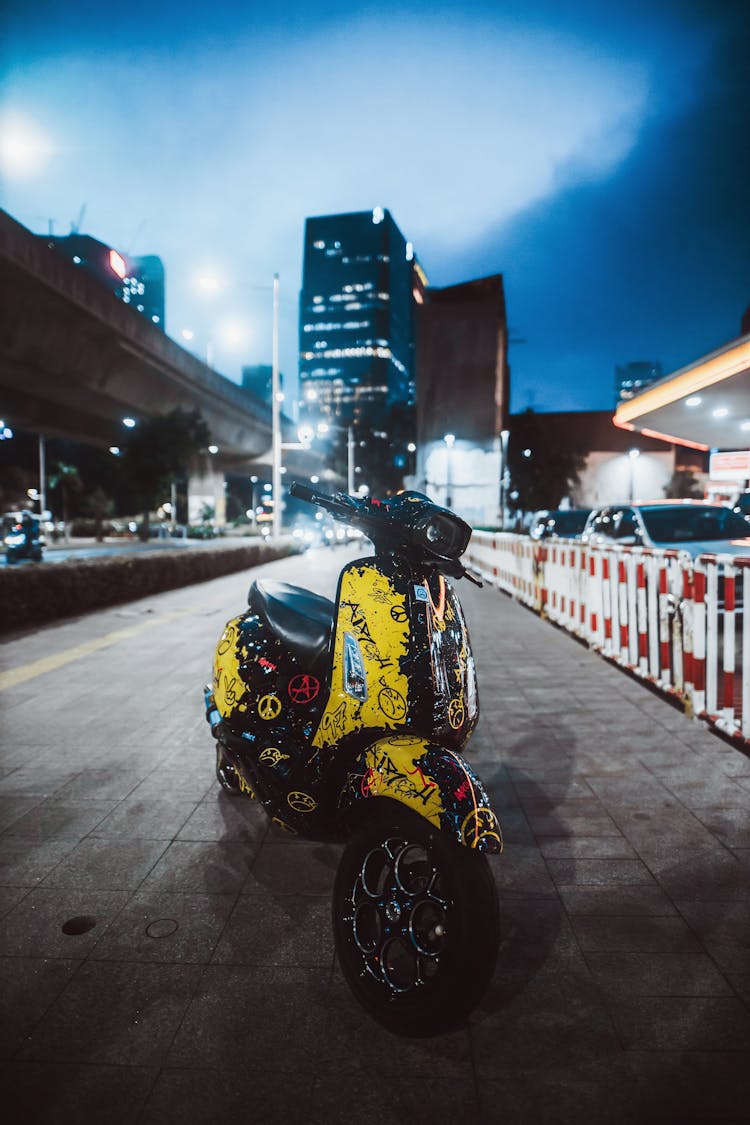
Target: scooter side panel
point(430, 779)
point(401, 657)
point(368, 687)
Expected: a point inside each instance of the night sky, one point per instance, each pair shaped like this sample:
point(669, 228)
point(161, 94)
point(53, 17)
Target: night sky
point(594, 153)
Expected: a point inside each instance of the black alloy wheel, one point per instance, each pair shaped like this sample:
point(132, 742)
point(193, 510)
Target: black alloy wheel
point(416, 922)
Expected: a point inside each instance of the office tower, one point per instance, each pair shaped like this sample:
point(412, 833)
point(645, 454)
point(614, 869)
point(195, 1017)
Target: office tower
point(138, 282)
point(359, 287)
point(632, 378)
point(257, 378)
point(356, 316)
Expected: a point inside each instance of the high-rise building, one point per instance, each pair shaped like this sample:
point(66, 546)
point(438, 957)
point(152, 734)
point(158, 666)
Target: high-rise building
point(463, 382)
point(258, 379)
point(632, 378)
point(356, 330)
point(138, 282)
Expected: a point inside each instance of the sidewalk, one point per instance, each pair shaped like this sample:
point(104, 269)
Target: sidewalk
point(201, 984)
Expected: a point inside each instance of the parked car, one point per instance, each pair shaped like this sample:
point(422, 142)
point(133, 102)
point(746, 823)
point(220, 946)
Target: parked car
point(684, 525)
point(692, 527)
point(742, 504)
point(567, 523)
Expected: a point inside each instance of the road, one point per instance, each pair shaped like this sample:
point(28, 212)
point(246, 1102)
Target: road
point(91, 549)
point(165, 956)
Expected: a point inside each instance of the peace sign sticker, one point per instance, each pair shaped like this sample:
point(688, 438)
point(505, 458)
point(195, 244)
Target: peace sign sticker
point(269, 707)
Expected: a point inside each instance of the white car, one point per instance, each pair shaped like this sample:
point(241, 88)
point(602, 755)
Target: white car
point(691, 527)
point(683, 525)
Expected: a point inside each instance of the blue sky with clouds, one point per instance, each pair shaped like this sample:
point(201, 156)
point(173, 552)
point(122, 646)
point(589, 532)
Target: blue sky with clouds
point(595, 154)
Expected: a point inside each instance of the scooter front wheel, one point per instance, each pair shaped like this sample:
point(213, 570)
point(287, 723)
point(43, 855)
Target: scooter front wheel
point(416, 922)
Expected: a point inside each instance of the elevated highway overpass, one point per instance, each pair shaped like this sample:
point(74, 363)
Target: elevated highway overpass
point(75, 360)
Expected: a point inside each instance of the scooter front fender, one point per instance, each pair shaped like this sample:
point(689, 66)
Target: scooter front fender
point(429, 779)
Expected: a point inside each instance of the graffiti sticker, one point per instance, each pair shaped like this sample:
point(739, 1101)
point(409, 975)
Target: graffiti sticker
point(303, 688)
point(269, 707)
point(302, 802)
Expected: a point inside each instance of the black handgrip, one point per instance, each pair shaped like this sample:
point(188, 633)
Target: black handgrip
point(330, 503)
point(303, 492)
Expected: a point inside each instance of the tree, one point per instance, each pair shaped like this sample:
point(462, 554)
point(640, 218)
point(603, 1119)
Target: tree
point(99, 505)
point(66, 480)
point(544, 468)
point(683, 485)
point(159, 449)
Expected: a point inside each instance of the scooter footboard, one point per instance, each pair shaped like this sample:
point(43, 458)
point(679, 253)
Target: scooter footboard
point(432, 781)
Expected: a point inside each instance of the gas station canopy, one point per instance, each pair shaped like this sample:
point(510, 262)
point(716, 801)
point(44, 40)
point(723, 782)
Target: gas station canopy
point(705, 405)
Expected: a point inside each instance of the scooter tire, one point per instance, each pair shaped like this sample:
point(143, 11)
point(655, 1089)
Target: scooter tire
point(226, 774)
point(416, 922)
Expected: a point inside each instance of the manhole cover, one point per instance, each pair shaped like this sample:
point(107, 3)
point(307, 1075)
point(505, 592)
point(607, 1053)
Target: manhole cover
point(79, 925)
point(162, 927)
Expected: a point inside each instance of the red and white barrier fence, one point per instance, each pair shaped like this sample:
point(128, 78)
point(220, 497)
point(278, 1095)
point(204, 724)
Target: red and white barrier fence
point(678, 623)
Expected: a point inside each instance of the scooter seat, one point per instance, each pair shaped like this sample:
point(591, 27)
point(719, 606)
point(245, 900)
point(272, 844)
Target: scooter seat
point(302, 621)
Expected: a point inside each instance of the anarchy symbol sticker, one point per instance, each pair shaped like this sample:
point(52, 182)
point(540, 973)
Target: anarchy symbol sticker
point(269, 707)
point(303, 688)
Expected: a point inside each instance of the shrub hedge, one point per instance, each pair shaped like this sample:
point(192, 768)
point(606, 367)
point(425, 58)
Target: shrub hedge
point(33, 592)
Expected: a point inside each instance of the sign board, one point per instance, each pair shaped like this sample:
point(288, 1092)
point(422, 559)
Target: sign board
point(734, 465)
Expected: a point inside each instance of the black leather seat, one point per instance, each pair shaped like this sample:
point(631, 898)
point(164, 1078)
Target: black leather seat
point(302, 621)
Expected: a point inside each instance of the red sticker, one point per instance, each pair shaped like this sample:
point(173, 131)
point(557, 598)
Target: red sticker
point(303, 688)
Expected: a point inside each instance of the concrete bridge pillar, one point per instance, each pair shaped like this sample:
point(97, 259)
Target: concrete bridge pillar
point(207, 490)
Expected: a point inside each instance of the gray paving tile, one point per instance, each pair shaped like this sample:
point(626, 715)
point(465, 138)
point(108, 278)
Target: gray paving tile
point(679, 1086)
point(586, 847)
point(669, 1023)
point(731, 825)
point(60, 1095)
point(146, 818)
point(223, 817)
point(634, 932)
point(278, 930)
point(353, 1045)
point(106, 864)
point(723, 929)
point(203, 1097)
point(29, 986)
point(123, 1014)
point(657, 974)
point(164, 926)
point(599, 1090)
point(12, 808)
point(53, 818)
point(620, 900)
point(598, 872)
point(208, 868)
point(302, 868)
point(242, 1013)
point(24, 863)
point(37, 922)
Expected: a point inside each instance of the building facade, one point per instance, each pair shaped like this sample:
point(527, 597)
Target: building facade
point(462, 377)
point(356, 332)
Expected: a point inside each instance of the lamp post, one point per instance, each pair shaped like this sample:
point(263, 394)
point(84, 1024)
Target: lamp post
point(450, 440)
point(276, 415)
point(504, 435)
point(633, 454)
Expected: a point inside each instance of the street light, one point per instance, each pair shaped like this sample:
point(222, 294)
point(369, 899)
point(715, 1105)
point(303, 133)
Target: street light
point(504, 482)
point(633, 454)
point(450, 440)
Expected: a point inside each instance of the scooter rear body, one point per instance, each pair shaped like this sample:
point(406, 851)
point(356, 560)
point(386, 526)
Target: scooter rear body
point(374, 698)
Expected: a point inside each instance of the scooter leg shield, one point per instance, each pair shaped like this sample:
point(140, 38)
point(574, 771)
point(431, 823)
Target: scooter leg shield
point(431, 780)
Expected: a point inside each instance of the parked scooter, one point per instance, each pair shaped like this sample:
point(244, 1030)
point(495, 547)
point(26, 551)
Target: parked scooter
point(22, 537)
point(345, 720)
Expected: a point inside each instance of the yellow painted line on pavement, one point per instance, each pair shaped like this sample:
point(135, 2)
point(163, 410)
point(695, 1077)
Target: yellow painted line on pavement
point(15, 676)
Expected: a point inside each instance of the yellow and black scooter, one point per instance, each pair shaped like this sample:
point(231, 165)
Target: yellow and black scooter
point(346, 721)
